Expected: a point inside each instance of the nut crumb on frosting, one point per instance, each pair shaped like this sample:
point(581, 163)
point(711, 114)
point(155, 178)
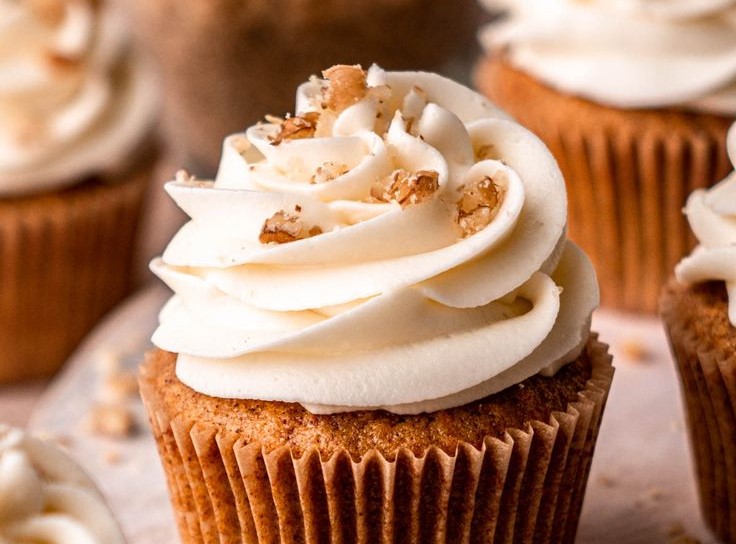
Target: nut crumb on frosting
point(297, 127)
point(329, 171)
point(406, 188)
point(346, 85)
point(284, 227)
point(478, 205)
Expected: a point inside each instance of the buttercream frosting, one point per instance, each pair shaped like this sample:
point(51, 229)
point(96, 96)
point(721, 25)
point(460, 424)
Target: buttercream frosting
point(403, 300)
point(712, 217)
point(74, 100)
point(46, 498)
point(624, 53)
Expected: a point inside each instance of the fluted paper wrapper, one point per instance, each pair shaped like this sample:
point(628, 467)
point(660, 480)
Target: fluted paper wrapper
point(65, 260)
point(526, 487)
point(628, 175)
point(708, 384)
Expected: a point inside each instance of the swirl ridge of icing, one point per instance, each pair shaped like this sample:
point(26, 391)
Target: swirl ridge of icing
point(624, 53)
point(712, 217)
point(46, 498)
point(398, 244)
point(74, 99)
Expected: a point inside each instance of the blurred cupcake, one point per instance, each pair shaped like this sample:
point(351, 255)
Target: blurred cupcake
point(225, 63)
point(76, 153)
point(46, 497)
point(372, 336)
point(634, 99)
point(699, 313)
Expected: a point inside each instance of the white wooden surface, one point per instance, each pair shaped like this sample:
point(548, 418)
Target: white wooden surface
point(640, 490)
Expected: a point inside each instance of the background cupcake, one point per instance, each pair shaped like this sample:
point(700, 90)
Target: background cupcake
point(46, 497)
point(77, 110)
point(343, 354)
point(634, 99)
point(226, 63)
point(699, 313)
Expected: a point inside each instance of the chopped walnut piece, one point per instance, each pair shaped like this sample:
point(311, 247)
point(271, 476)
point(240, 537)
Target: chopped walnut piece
point(329, 171)
point(283, 227)
point(297, 128)
point(406, 188)
point(477, 207)
point(111, 420)
point(346, 85)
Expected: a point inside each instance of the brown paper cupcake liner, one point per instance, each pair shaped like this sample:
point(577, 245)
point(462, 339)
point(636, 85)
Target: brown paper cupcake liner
point(65, 260)
point(265, 49)
point(628, 174)
point(526, 487)
point(707, 371)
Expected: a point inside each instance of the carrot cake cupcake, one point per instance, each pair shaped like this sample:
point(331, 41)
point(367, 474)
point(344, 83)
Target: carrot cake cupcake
point(379, 328)
point(634, 99)
point(698, 308)
point(77, 111)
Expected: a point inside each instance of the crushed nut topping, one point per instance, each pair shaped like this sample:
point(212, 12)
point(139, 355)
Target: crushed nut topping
point(478, 205)
point(346, 85)
point(283, 227)
point(329, 171)
point(406, 188)
point(297, 128)
point(111, 420)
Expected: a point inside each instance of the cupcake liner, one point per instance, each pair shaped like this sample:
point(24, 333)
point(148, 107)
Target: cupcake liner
point(707, 373)
point(264, 50)
point(628, 174)
point(65, 260)
point(526, 487)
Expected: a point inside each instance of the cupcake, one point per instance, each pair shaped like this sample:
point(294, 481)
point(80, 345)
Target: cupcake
point(76, 155)
point(634, 99)
point(379, 329)
point(698, 308)
point(46, 497)
point(225, 63)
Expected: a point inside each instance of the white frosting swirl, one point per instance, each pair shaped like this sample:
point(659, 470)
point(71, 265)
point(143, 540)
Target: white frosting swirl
point(712, 217)
point(625, 53)
point(389, 308)
point(72, 102)
point(45, 497)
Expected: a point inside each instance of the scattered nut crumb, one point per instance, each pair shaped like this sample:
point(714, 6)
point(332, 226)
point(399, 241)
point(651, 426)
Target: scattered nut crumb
point(297, 128)
point(120, 387)
point(329, 171)
point(283, 227)
point(346, 85)
point(112, 457)
point(478, 205)
point(113, 421)
point(635, 351)
point(406, 188)
point(678, 535)
point(107, 362)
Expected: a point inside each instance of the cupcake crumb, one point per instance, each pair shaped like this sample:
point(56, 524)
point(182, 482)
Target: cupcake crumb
point(110, 420)
point(120, 386)
point(678, 535)
point(635, 351)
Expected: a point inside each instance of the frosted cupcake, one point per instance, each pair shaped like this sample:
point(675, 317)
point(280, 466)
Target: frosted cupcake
point(634, 99)
point(379, 328)
point(226, 63)
point(699, 313)
point(77, 110)
point(46, 497)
